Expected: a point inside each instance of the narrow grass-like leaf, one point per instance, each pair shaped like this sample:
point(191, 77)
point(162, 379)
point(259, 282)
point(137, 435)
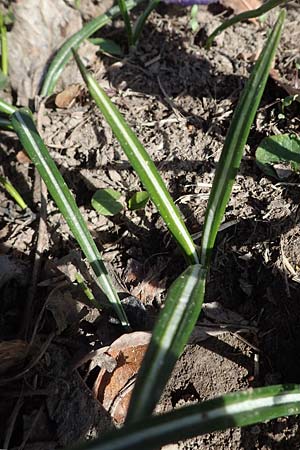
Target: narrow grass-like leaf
point(13, 192)
point(139, 25)
point(39, 155)
point(231, 410)
point(6, 108)
point(143, 165)
point(244, 16)
point(5, 124)
point(3, 80)
point(235, 141)
point(125, 15)
point(82, 284)
point(64, 53)
point(4, 51)
point(171, 333)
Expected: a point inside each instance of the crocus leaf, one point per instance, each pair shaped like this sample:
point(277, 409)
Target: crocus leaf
point(5, 124)
point(142, 164)
point(37, 151)
point(277, 156)
point(237, 409)
point(171, 333)
point(105, 202)
point(235, 141)
point(64, 54)
point(125, 15)
point(140, 22)
point(3, 80)
point(7, 108)
point(267, 6)
point(190, 2)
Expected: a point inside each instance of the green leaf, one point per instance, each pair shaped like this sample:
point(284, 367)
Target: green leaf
point(235, 141)
point(13, 192)
point(105, 202)
point(6, 108)
point(230, 410)
point(108, 46)
point(142, 164)
point(125, 15)
point(39, 155)
point(64, 53)
point(244, 16)
point(3, 80)
point(139, 24)
point(138, 200)
point(9, 17)
point(278, 155)
point(194, 25)
point(5, 124)
point(171, 333)
point(4, 50)
point(287, 101)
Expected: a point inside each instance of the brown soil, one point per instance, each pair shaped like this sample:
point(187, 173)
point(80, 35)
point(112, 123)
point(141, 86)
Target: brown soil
point(179, 99)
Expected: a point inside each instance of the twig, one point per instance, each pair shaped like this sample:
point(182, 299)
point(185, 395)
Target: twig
point(12, 421)
point(27, 435)
point(170, 102)
point(32, 364)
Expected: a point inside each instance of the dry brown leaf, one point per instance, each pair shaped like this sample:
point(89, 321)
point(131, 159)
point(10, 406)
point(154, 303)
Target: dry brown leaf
point(39, 29)
point(12, 353)
point(239, 6)
point(114, 389)
point(292, 88)
point(65, 309)
point(147, 290)
point(67, 97)
point(23, 158)
point(90, 9)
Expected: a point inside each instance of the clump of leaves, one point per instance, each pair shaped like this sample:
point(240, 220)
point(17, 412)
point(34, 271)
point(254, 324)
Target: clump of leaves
point(185, 297)
point(143, 166)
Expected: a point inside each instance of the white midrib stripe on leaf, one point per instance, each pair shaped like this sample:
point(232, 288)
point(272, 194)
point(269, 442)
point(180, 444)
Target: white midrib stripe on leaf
point(177, 313)
point(150, 175)
point(216, 204)
point(89, 251)
point(246, 104)
point(225, 412)
point(166, 339)
point(239, 407)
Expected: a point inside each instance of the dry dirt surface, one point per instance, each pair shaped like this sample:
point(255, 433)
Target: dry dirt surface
point(179, 99)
